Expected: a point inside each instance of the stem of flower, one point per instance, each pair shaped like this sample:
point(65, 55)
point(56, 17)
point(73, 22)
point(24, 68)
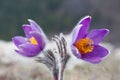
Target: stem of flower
point(56, 74)
point(63, 65)
point(62, 72)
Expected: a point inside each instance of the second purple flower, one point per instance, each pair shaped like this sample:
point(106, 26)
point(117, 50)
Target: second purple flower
point(33, 43)
point(85, 45)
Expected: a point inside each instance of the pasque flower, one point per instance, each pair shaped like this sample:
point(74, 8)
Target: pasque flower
point(33, 43)
point(85, 45)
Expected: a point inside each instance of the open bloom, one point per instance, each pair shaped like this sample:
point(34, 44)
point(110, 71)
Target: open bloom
point(33, 43)
point(85, 45)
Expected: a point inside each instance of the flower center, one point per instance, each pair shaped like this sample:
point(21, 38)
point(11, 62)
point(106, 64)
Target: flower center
point(84, 45)
point(33, 41)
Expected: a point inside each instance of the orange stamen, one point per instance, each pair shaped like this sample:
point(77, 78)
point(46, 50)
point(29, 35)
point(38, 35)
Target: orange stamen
point(84, 45)
point(33, 41)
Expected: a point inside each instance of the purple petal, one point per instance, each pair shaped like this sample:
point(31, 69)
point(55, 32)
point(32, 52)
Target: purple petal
point(29, 50)
point(85, 22)
point(98, 52)
point(35, 26)
point(21, 52)
point(97, 35)
point(39, 38)
point(75, 33)
point(76, 52)
point(27, 29)
point(18, 40)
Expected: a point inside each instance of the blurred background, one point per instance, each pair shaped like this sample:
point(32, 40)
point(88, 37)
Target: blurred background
point(55, 16)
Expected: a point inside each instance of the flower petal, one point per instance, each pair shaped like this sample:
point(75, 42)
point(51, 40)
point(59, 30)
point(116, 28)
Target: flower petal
point(97, 35)
point(29, 50)
point(81, 28)
point(98, 52)
point(76, 52)
point(35, 26)
point(27, 29)
point(39, 38)
point(85, 22)
point(75, 33)
point(23, 53)
point(18, 40)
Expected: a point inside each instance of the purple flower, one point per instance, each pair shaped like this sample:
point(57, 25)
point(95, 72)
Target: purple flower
point(85, 45)
point(33, 43)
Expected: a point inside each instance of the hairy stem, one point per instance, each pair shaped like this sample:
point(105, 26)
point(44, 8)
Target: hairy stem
point(61, 73)
point(63, 65)
point(56, 74)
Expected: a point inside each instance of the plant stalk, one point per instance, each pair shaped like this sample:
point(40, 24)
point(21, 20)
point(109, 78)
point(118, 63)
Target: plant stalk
point(56, 74)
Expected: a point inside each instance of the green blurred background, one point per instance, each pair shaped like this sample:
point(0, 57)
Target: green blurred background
point(55, 16)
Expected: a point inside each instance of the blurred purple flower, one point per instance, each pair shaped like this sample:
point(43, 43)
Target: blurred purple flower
point(85, 45)
point(33, 43)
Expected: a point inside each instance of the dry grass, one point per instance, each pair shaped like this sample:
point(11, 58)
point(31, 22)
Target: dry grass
point(109, 69)
point(15, 67)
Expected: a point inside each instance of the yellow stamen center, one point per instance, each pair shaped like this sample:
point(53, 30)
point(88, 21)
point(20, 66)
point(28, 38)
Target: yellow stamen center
point(84, 45)
point(33, 41)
